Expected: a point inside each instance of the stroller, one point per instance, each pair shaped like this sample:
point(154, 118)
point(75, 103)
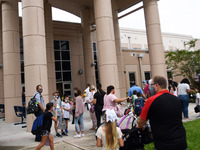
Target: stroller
point(134, 139)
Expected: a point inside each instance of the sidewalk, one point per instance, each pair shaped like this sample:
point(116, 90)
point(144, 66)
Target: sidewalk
point(13, 137)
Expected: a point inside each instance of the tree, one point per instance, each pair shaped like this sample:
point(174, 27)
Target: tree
point(185, 62)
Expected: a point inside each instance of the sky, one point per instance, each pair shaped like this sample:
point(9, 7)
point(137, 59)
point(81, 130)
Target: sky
point(176, 16)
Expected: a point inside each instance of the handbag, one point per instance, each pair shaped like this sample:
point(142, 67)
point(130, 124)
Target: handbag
point(197, 109)
point(62, 124)
point(92, 109)
point(119, 111)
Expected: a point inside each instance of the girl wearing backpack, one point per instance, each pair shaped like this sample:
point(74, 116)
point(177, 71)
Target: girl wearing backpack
point(47, 122)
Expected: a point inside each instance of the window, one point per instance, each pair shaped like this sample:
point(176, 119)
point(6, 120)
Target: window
point(132, 77)
point(96, 62)
point(62, 61)
point(63, 67)
point(147, 75)
point(22, 64)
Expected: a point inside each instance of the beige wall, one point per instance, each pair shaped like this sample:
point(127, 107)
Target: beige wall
point(138, 39)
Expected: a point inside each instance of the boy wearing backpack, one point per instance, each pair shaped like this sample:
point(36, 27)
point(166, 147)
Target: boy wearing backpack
point(139, 104)
point(47, 123)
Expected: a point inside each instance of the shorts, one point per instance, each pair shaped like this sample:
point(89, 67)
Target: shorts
point(66, 118)
point(45, 133)
point(59, 118)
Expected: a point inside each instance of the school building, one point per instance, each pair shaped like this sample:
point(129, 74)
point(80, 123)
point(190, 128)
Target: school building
point(60, 56)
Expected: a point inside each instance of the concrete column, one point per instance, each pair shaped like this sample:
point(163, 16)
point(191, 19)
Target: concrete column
point(35, 58)
point(87, 48)
point(1, 63)
point(154, 38)
point(106, 44)
point(11, 59)
point(120, 61)
point(50, 50)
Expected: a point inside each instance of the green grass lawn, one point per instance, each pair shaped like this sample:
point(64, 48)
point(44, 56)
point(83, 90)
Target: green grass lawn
point(192, 133)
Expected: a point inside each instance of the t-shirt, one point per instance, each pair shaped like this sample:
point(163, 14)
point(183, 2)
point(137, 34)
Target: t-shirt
point(99, 101)
point(39, 98)
point(65, 112)
point(197, 97)
point(146, 89)
point(134, 88)
point(101, 135)
point(182, 88)
point(109, 102)
point(164, 112)
point(47, 121)
point(58, 107)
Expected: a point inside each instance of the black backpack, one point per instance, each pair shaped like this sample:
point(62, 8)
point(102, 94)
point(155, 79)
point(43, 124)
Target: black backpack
point(32, 107)
point(136, 138)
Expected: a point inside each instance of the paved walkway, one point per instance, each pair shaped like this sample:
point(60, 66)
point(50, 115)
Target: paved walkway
point(13, 137)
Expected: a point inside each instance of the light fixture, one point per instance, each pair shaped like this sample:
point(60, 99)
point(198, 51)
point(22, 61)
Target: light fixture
point(80, 71)
point(93, 64)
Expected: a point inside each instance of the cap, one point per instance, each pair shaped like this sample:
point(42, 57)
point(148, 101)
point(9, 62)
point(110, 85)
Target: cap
point(144, 81)
point(110, 115)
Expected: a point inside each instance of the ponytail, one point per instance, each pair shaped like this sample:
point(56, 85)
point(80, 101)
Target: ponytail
point(100, 90)
point(111, 135)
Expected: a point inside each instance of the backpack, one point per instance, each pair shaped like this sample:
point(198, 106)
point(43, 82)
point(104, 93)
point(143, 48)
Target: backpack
point(132, 139)
point(32, 107)
point(139, 103)
point(37, 126)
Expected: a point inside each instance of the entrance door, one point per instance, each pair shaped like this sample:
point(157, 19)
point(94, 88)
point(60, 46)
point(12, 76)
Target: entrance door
point(67, 88)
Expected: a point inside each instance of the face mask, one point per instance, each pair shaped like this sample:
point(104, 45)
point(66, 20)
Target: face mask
point(66, 101)
point(40, 91)
point(113, 92)
point(75, 94)
point(55, 96)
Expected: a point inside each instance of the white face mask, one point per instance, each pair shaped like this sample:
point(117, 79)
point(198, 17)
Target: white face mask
point(66, 101)
point(55, 96)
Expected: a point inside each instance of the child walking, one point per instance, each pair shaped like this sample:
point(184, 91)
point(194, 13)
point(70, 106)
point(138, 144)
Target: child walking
point(47, 123)
point(66, 110)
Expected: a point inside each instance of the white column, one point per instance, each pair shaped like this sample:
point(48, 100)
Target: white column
point(120, 60)
point(35, 58)
point(50, 50)
point(154, 38)
point(106, 45)
point(11, 59)
point(87, 47)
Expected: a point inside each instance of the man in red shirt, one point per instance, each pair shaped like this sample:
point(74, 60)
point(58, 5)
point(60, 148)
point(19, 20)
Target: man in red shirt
point(164, 111)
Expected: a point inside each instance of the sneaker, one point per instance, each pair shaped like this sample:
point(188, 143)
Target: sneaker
point(63, 133)
point(58, 135)
point(82, 135)
point(66, 131)
point(77, 136)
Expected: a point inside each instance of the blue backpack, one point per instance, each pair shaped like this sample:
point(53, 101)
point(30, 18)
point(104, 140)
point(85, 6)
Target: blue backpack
point(37, 125)
point(139, 104)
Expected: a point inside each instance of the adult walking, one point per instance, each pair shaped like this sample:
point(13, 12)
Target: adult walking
point(110, 100)
point(98, 103)
point(79, 115)
point(40, 101)
point(164, 110)
point(183, 91)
